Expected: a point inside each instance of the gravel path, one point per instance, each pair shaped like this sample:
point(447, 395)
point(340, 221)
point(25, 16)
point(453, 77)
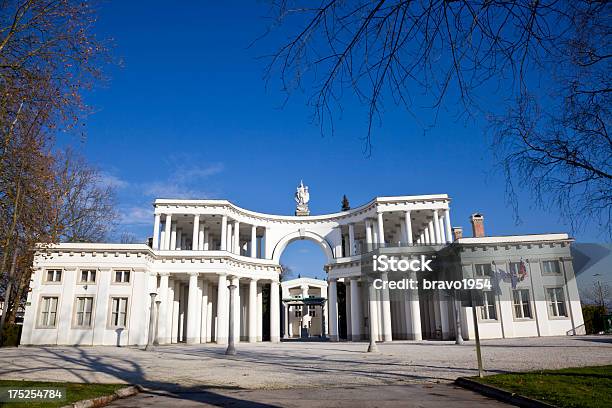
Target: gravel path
point(301, 365)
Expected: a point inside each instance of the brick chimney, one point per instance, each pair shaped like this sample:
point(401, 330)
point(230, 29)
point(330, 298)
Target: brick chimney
point(457, 233)
point(477, 221)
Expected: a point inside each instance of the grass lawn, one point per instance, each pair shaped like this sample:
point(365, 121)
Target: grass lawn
point(569, 387)
point(74, 392)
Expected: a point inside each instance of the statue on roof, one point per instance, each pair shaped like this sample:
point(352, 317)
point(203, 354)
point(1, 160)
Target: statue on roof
point(345, 203)
point(301, 198)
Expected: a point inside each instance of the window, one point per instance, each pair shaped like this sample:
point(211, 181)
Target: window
point(556, 302)
point(522, 307)
point(488, 310)
point(48, 311)
point(483, 269)
point(312, 310)
point(118, 311)
point(84, 306)
point(54, 275)
point(298, 312)
point(122, 276)
point(88, 276)
point(551, 267)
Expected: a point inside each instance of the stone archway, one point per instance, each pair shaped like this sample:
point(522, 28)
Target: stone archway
point(301, 234)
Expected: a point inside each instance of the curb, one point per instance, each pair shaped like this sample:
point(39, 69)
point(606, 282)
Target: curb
point(501, 395)
point(106, 399)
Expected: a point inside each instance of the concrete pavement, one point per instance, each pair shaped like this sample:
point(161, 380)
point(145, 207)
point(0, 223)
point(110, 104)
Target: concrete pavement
point(408, 395)
point(298, 365)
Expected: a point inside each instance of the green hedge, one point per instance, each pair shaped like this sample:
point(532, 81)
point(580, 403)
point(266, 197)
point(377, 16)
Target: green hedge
point(593, 318)
point(11, 335)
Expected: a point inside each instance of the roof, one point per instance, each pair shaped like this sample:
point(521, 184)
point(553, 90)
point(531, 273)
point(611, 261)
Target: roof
point(509, 239)
point(294, 283)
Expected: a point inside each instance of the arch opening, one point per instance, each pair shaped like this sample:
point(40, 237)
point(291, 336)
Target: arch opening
point(303, 291)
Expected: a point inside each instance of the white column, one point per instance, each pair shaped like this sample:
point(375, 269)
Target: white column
point(267, 244)
point(201, 237)
point(206, 244)
point(415, 312)
point(355, 310)
point(162, 327)
point(408, 222)
point(372, 312)
point(426, 235)
point(224, 233)
point(252, 310)
point(179, 238)
point(162, 239)
point(237, 242)
point(274, 313)
point(403, 238)
point(230, 238)
point(209, 316)
point(432, 234)
point(285, 294)
point(325, 323)
point(386, 311)
point(196, 232)
point(168, 231)
point(333, 310)
point(436, 221)
point(304, 307)
point(447, 224)
point(338, 242)
point(381, 230)
point(237, 320)
point(156, 232)
point(351, 228)
point(375, 234)
point(204, 313)
point(444, 316)
point(173, 237)
point(192, 310)
point(347, 308)
point(253, 241)
point(259, 312)
point(176, 309)
point(368, 225)
point(222, 310)
point(170, 311)
point(441, 229)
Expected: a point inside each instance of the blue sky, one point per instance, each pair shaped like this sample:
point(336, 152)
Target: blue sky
point(189, 115)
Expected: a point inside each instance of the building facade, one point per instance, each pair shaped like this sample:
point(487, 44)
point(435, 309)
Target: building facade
point(304, 311)
point(100, 294)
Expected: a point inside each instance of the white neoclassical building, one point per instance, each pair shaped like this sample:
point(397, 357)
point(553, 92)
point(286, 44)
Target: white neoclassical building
point(304, 308)
point(99, 294)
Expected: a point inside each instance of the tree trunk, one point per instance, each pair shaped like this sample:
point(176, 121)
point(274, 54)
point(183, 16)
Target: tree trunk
point(7, 296)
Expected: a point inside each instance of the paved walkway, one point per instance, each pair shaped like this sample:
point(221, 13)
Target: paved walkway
point(408, 395)
point(298, 365)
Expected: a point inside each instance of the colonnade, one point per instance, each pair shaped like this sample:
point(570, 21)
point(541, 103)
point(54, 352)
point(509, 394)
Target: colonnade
point(197, 311)
point(171, 237)
point(394, 314)
point(436, 230)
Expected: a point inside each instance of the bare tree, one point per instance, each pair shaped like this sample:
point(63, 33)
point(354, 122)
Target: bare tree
point(461, 53)
point(49, 55)
point(597, 294)
point(286, 272)
point(86, 210)
point(128, 238)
